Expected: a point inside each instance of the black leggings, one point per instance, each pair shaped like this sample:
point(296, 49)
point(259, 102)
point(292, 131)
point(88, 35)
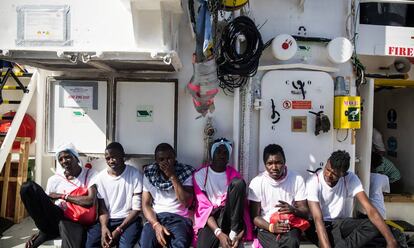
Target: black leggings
point(48, 217)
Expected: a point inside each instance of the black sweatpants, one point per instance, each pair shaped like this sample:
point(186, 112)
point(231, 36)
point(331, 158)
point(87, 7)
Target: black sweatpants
point(229, 217)
point(48, 217)
point(271, 240)
point(347, 232)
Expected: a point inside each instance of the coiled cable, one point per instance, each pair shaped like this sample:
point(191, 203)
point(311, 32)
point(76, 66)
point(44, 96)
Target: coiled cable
point(239, 51)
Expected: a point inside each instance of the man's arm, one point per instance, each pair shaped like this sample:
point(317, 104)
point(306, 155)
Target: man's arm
point(106, 236)
point(376, 219)
point(81, 200)
point(160, 230)
point(131, 217)
point(84, 200)
point(255, 215)
point(316, 212)
point(299, 209)
point(184, 193)
point(224, 239)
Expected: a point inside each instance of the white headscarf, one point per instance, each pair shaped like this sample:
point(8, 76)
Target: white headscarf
point(70, 148)
point(224, 142)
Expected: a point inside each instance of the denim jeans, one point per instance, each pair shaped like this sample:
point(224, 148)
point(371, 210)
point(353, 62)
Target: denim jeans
point(180, 228)
point(128, 239)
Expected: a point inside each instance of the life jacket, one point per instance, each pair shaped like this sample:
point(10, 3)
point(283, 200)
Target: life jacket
point(203, 86)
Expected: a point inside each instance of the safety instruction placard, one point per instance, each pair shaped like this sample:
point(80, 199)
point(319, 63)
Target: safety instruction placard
point(301, 104)
point(77, 96)
point(145, 113)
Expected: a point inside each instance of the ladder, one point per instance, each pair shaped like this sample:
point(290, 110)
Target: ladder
point(10, 136)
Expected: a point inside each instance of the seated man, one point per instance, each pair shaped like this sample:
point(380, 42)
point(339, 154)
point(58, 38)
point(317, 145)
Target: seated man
point(221, 216)
point(277, 191)
point(330, 197)
point(47, 208)
point(168, 192)
point(384, 166)
point(119, 196)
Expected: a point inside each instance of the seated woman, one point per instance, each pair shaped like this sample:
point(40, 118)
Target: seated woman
point(221, 216)
point(50, 209)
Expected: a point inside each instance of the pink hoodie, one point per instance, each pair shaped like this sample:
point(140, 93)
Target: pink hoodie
point(204, 207)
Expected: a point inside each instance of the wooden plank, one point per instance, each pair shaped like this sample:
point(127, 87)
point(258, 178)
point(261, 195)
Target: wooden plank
point(5, 187)
point(25, 164)
point(398, 198)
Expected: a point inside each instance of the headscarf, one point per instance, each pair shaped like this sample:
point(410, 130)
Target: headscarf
point(69, 148)
point(220, 142)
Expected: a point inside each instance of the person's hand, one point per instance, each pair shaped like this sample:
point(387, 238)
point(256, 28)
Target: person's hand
point(280, 227)
point(235, 243)
point(225, 241)
point(106, 237)
point(285, 208)
point(160, 232)
point(392, 244)
point(55, 196)
point(115, 236)
point(29, 243)
point(167, 166)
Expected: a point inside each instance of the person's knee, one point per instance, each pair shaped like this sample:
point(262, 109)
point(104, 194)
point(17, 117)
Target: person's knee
point(27, 188)
point(238, 183)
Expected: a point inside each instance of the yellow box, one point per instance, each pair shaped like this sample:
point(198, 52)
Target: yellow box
point(347, 112)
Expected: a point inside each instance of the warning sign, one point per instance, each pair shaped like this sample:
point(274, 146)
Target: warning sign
point(287, 104)
point(301, 104)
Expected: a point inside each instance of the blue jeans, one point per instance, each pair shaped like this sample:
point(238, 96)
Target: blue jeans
point(128, 238)
point(181, 230)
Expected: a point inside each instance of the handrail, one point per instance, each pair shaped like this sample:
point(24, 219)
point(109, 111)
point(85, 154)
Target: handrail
point(17, 120)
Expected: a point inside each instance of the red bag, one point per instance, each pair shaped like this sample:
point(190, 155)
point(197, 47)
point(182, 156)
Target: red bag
point(294, 221)
point(77, 213)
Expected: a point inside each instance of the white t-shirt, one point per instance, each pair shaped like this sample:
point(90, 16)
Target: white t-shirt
point(117, 191)
point(215, 186)
point(59, 184)
point(378, 183)
point(336, 202)
point(166, 200)
point(268, 192)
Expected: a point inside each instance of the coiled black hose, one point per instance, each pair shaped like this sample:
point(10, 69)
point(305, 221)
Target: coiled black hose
point(237, 61)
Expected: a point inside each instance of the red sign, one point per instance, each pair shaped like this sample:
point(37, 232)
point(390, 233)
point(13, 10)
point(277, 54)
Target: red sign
point(401, 51)
point(301, 104)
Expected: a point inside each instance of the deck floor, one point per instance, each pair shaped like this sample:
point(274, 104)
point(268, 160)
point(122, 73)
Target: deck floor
point(16, 236)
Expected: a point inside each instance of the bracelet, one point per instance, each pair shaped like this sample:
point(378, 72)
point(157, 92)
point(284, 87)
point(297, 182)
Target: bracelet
point(217, 231)
point(66, 197)
point(271, 228)
point(155, 224)
point(118, 229)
